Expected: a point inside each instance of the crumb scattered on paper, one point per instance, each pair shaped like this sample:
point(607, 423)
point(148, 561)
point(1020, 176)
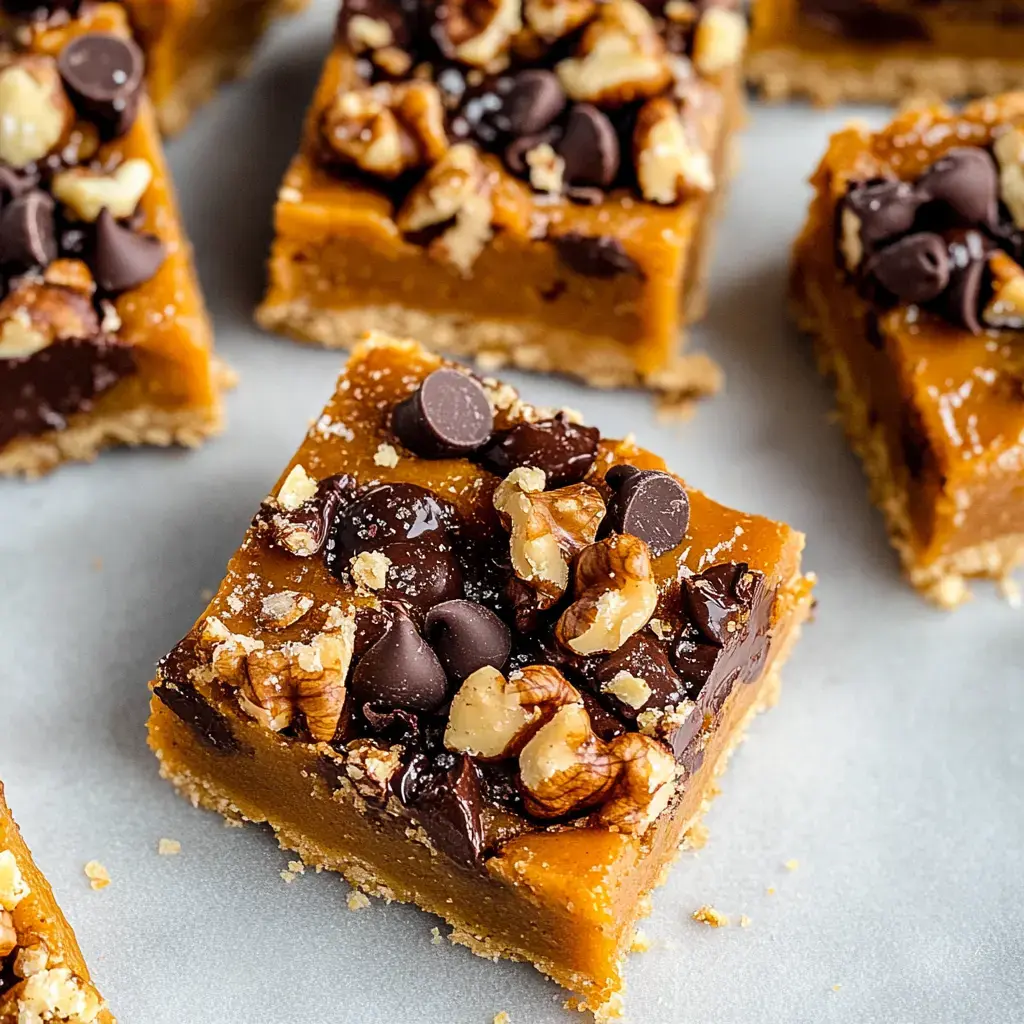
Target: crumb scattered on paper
point(792, 864)
point(1010, 590)
point(98, 875)
point(770, 890)
point(836, 988)
point(502, 1018)
point(436, 938)
point(168, 847)
point(358, 900)
point(641, 943)
point(296, 867)
point(708, 915)
point(744, 921)
point(287, 877)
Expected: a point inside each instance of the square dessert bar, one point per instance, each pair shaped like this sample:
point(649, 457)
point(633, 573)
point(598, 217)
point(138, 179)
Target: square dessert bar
point(908, 275)
point(885, 50)
point(473, 655)
point(42, 974)
point(526, 181)
point(104, 338)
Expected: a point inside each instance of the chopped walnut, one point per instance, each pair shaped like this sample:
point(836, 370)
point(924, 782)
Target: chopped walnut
point(366, 33)
point(298, 488)
point(548, 528)
point(719, 41)
point(479, 32)
point(72, 274)
point(385, 456)
point(226, 651)
point(86, 192)
point(669, 166)
point(553, 19)
point(369, 569)
point(546, 168)
point(1005, 309)
point(35, 113)
point(34, 315)
point(630, 689)
point(51, 995)
point(13, 887)
point(8, 934)
point(371, 767)
point(620, 57)
point(32, 959)
point(645, 784)
point(1009, 152)
point(851, 246)
point(388, 128)
point(284, 608)
point(615, 592)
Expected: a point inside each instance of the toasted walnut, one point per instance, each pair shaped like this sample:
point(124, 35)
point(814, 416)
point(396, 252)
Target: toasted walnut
point(1009, 152)
point(53, 995)
point(72, 274)
point(284, 608)
point(298, 487)
point(371, 767)
point(32, 959)
point(620, 58)
point(553, 19)
point(546, 168)
point(630, 689)
point(669, 166)
point(1006, 307)
point(478, 32)
point(645, 784)
point(455, 189)
point(719, 40)
point(13, 887)
point(548, 528)
point(615, 595)
point(851, 246)
point(388, 128)
point(366, 33)
point(8, 935)
point(87, 192)
point(369, 569)
point(308, 679)
point(35, 315)
point(35, 113)
point(225, 651)
point(492, 717)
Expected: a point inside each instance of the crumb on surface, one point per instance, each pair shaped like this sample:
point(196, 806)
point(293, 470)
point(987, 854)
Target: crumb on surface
point(98, 875)
point(641, 942)
point(358, 900)
point(744, 921)
point(836, 988)
point(1010, 591)
point(792, 864)
point(296, 867)
point(502, 1017)
point(770, 890)
point(708, 915)
point(168, 847)
point(436, 938)
point(206, 594)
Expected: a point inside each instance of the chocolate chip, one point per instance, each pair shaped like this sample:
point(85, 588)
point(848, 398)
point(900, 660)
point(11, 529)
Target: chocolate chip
point(564, 450)
point(884, 208)
point(103, 76)
point(422, 573)
point(450, 809)
point(595, 255)
point(648, 504)
point(122, 258)
point(466, 636)
point(644, 657)
point(715, 605)
point(960, 303)
point(966, 181)
point(400, 670)
point(534, 101)
point(27, 233)
point(447, 415)
point(604, 723)
point(694, 658)
point(913, 269)
point(202, 718)
point(589, 147)
point(388, 513)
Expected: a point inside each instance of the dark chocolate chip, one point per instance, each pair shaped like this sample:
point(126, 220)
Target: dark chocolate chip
point(644, 657)
point(534, 101)
point(884, 209)
point(422, 573)
point(563, 449)
point(713, 604)
point(604, 723)
point(694, 658)
point(447, 415)
point(960, 303)
point(394, 723)
point(595, 255)
point(202, 718)
point(27, 232)
point(589, 147)
point(122, 258)
point(103, 76)
point(450, 809)
point(966, 181)
point(400, 670)
point(466, 636)
point(648, 504)
point(913, 269)
point(388, 513)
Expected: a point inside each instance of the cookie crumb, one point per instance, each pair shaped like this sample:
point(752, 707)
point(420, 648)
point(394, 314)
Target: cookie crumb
point(98, 875)
point(1009, 590)
point(168, 847)
point(792, 864)
point(502, 1018)
point(836, 988)
point(641, 943)
point(436, 938)
point(744, 921)
point(357, 900)
point(296, 867)
point(770, 890)
point(708, 915)
point(386, 456)
point(287, 876)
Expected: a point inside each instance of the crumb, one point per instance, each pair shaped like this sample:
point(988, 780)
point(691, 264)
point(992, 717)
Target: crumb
point(711, 917)
point(744, 921)
point(97, 564)
point(206, 594)
point(287, 876)
point(357, 900)
point(697, 836)
point(792, 864)
point(296, 867)
point(641, 943)
point(436, 938)
point(770, 890)
point(386, 456)
point(502, 1018)
point(836, 988)
point(1010, 591)
point(98, 875)
point(168, 847)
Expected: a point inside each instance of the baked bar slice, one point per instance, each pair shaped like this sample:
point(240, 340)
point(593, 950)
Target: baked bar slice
point(908, 276)
point(885, 50)
point(104, 338)
point(525, 181)
point(43, 976)
point(475, 656)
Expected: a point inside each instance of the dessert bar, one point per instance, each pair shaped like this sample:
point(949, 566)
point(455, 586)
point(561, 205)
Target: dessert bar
point(104, 338)
point(42, 974)
point(473, 655)
point(886, 50)
point(524, 181)
point(908, 275)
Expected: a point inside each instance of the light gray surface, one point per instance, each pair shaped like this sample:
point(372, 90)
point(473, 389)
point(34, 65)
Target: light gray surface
point(892, 770)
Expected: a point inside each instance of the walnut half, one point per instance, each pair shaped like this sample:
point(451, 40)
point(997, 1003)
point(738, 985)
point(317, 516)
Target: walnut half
point(669, 166)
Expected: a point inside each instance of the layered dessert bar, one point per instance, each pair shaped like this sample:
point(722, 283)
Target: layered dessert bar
point(886, 50)
point(908, 276)
point(104, 338)
point(43, 976)
point(473, 655)
point(526, 181)
point(191, 46)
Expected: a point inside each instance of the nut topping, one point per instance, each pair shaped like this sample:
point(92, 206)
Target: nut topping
point(13, 887)
point(86, 193)
point(51, 995)
point(1006, 307)
point(298, 488)
point(8, 935)
point(645, 784)
point(226, 651)
point(371, 767)
point(548, 528)
point(719, 40)
point(1009, 152)
point(669, 167)
point(35, 112)
point(478, 32)
point(284, 608)
point(616, 595)
point(553, 19)
point(35, 315)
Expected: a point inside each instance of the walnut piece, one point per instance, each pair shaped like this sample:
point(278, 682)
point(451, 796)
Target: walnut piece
point(8, 935)
point(298, 488)
point(851, 246)
point(644, 787)
point(35, 315)
point(620, 57)
point(225, 651)
point(72, 274)
point(369, 569)
point(51, 995)
point(1009, 152)
point(669, 166)
point(615, 595)
point(492, 717)
point(546, 169)
point(86, 192)
point(630, 689)
point(32, 959)
point(284, 608)
point(548, 528)
point(553, 19)
point(35, 113)
point(719, 41)
point(388, 128)
point(455, 189)
point(371, 767)
point(1005, 309)
point(478, 32)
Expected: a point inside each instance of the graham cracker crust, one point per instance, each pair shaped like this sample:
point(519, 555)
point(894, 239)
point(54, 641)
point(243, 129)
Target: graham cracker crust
point(782, 74)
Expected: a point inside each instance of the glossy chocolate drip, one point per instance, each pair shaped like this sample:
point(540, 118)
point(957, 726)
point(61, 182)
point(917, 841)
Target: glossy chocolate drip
point(39, 392)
